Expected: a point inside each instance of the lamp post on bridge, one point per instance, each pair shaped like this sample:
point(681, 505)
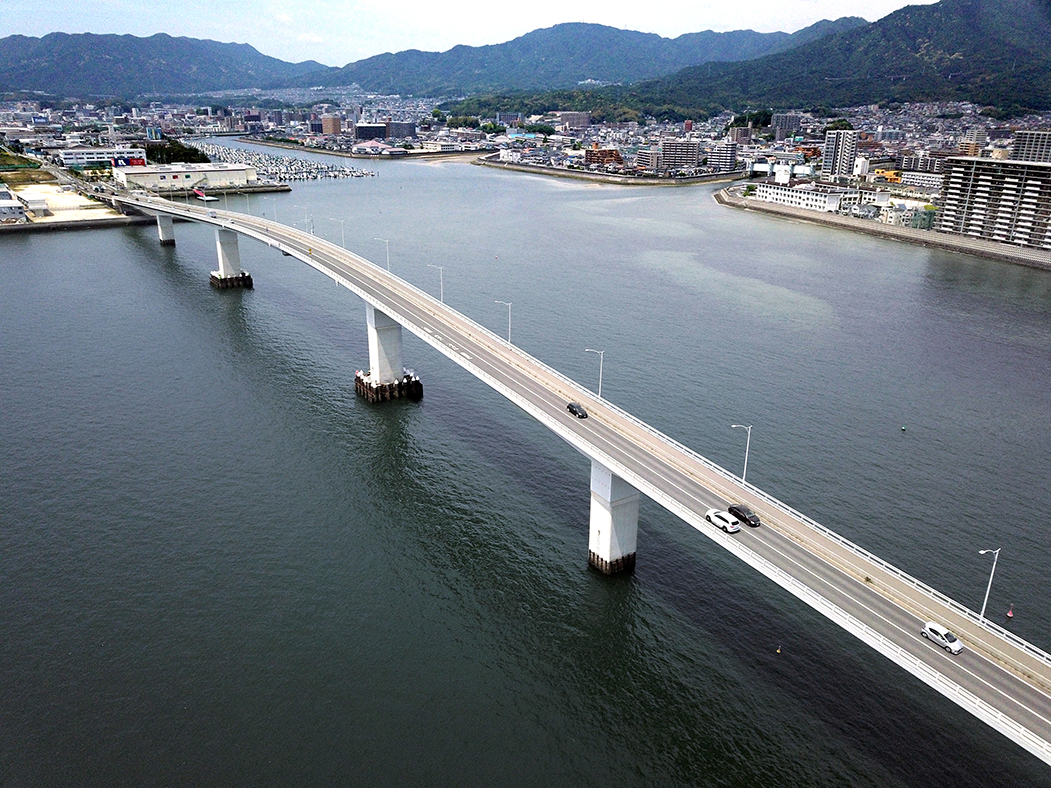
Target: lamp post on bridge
point(996, 555)
point(508, 305)
point(601, 353)
point(747, 444)
point(441, 279)
point(342, 230)
point(387, 242)
point(308, 223)
point(271, 199)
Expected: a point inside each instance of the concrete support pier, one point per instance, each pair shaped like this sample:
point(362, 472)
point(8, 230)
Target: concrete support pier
point(384, 346)
point(386, 378)
point(165, 230)
point(614, 522)
point(229, 273)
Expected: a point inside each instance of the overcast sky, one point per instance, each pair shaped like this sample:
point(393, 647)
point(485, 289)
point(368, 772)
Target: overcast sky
point(337, 32)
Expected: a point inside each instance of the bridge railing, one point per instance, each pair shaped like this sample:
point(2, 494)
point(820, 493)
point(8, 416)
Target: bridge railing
point(427, 301)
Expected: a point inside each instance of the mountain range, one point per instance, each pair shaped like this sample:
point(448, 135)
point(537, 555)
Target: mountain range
point(561, 56)
point(990, 52)
point(993, 52)
point(86, 64)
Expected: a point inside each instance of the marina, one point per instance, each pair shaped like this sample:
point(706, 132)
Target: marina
point(277, 167)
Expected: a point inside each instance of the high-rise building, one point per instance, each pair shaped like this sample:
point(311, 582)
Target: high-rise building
point(973, 141)
point(1002, 200)
point(723, 157)
point(787, 122)
point(841, 149)
point(741, 134)
point(1031, 146)
point(680, 154)
point(331, 124)
point(400, 129)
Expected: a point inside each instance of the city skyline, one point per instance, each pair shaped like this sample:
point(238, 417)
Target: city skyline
point(337, 33)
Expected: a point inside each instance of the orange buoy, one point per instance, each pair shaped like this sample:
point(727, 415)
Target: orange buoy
point(1011, 611)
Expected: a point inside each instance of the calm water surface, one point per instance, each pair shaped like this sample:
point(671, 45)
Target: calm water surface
point(218, 567)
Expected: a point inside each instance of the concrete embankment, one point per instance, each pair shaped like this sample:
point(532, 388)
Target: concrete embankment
point(1035, 258)
point(76, 224)
point(601, 177)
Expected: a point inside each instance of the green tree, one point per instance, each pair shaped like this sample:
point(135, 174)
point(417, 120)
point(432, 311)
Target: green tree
point(841, 124)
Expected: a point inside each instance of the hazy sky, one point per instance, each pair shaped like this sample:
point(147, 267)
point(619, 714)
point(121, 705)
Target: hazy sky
point(336, 32)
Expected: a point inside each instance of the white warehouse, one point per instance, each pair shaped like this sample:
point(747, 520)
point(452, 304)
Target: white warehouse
point(180, 177)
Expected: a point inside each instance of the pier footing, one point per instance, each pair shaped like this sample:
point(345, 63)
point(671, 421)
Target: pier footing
point(409, 387)
point(626, 563)
point(244, 279)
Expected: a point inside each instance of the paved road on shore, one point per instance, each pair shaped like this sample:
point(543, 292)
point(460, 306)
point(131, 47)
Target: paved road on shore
point(999, 678)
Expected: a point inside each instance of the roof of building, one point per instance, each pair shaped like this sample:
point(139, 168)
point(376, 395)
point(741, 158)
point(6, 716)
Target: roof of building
point(151, 169)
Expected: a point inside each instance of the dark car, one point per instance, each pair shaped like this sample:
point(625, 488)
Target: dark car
point(577, 410)
point(744, 514)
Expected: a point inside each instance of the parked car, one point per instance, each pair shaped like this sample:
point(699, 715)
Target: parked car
point(941, 636)
point(577, 410)
point(723, 520)
point(744, 514)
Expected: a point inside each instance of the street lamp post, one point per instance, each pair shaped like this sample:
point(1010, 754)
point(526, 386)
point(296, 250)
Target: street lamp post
point(996, 555)
point(601, 353)
point(508, 305)
point(747, 444)
point(441, 279)
point(308, 223)
point(342, 230)
point(271, 199)
point(388, 250)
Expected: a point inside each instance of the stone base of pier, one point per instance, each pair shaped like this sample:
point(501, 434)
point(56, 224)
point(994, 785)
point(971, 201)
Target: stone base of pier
point(409, 387)
point(626, 563)
point(244, 279)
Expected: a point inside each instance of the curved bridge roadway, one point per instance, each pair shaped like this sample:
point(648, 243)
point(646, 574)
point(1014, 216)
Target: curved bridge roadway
point(1000, 678)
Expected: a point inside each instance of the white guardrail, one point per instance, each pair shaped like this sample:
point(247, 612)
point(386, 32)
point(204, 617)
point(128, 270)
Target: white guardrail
point(575, 390)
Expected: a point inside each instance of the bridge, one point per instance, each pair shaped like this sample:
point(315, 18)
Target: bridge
point(999, 678)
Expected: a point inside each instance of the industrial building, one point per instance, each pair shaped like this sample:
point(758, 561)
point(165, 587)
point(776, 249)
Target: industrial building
point(88, 157)
point(179, 177)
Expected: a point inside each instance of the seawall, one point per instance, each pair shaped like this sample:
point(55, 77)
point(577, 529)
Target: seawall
point(1035, 258)
point(599, 177)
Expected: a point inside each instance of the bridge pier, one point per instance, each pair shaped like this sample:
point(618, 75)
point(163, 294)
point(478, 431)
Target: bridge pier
point(165, 230)
point(614, 522)
point(229, 273)
point(386, 378)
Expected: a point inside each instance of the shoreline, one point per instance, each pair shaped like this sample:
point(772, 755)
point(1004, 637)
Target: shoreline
point(979, 247)
point(348, 155)
point(77, 224)
point(617, 180)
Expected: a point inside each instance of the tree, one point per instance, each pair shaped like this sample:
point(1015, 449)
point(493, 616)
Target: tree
point(840, 124)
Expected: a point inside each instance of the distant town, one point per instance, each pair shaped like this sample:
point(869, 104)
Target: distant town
point(942, 167)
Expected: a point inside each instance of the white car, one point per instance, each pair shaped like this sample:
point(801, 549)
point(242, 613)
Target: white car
point(724, 520)
point(941, 636)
